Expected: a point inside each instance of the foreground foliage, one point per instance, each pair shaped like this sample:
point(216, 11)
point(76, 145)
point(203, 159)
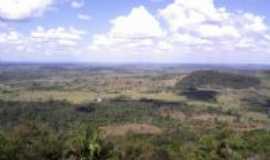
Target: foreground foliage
point(30, 141)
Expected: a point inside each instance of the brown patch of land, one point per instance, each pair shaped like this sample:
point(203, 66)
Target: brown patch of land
point(212, 117)
point(247, 126)
point(165, 112)
point(121, 130)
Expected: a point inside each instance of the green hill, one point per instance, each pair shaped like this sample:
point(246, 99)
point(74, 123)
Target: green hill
point(217, 80)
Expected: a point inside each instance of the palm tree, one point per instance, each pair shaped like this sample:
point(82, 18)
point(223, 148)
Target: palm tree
point(90, 145)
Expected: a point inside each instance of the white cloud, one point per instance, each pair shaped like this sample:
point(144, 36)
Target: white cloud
point(267, 37)
point(187, 39)
point(246, 43)
point(254, 23)
point(42, 43)
point(59, 33)
point(204, 19)
point(11, 37)
point(188, 27)
point(183, 14)
point(195, 28)
point(136, 31)
point(23, 9)
point(77, 4)
point(84, 17)
point(212, 31)
point(138, 24)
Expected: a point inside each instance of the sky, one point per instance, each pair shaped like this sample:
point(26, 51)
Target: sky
point(135, 31)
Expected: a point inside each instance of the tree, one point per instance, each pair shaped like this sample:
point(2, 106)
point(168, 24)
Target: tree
point(89, 146)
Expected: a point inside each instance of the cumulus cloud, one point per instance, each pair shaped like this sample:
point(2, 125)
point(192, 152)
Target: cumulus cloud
point(58, 35)
point(217, 25)
point(184, 14)
point(24, 9)
point(11, 37)
point(42, 42)
point(141, 25)
point(136, 31)
point(181, 28)
point(188, 27)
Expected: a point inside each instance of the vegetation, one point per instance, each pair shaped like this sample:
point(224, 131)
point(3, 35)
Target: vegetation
point(62, 112)
point(30, 142)
point(215, 79)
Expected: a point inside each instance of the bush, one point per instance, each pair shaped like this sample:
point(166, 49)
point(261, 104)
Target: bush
point(31, 142)
point(88, 145)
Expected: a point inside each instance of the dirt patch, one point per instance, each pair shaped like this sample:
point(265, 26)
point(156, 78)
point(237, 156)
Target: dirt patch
point(210, 121)
point(121, 130)
point(197, 117)
point(165, 112)
point(212, 117)
point(246, 127)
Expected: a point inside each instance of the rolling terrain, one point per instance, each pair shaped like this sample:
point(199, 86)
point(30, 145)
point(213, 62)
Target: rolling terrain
point(134, 112)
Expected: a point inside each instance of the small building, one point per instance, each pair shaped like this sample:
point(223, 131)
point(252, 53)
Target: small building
point(98, 99)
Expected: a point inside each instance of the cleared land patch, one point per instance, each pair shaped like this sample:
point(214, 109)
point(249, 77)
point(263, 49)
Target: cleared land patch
point(121, 130)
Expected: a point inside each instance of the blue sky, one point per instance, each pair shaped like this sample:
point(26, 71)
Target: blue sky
point(123, 31)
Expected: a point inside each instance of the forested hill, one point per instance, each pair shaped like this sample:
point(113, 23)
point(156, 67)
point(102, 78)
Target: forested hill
point(216, 79)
